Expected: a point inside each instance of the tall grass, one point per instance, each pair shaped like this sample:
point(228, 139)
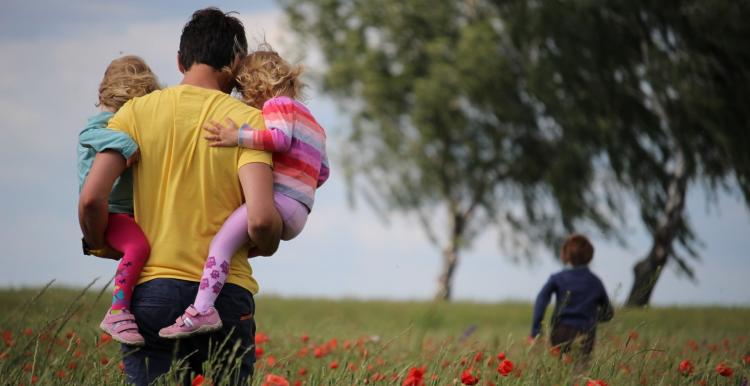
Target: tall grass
point(50, 336)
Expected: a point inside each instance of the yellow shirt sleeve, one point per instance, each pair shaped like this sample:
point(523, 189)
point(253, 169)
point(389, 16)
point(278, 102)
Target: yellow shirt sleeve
point(124, 120)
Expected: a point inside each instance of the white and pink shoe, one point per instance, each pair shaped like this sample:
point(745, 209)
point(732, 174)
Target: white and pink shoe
point(122, 328)
point(192, 322)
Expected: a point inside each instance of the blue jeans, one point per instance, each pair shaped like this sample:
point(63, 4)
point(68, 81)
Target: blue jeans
point(157, 303)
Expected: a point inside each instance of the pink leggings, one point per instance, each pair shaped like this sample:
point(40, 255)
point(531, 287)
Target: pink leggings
point(124, 235)
point(232, 236)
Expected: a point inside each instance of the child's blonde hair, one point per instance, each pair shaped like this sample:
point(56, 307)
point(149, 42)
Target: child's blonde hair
point(264, 75)
point(126, 78)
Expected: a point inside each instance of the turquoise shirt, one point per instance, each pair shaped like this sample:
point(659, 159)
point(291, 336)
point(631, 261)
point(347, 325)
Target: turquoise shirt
point(96, 138)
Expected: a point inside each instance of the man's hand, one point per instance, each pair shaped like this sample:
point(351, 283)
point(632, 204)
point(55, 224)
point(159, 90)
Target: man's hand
point(222, 135)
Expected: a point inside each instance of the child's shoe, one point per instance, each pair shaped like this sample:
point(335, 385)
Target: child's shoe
point(192, 322)
point(122, 328)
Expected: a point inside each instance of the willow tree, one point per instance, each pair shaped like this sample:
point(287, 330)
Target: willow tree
point(443, 127)
point(659, 88)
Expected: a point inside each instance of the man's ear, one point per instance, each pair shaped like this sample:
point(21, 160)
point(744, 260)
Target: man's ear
point(180, 67)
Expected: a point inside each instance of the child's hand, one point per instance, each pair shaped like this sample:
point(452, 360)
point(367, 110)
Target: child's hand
point(221, 135)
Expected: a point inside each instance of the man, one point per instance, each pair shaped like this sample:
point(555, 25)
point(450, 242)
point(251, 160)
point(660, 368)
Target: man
point(183, 192)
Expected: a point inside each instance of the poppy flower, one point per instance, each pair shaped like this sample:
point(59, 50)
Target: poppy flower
point(467, 378)
point(275, 380)
point(501, 356)
point(261, 338)
point(305, 338)
point(259, 352)
point(333, 365)
point(505, 367)
point(746, 359)
point(302, 372)
point(271, 361)
point(724, 370)
point(596, 382)
point(415, 377)
point(686, 367)
point(478, 356)
point(198, 380)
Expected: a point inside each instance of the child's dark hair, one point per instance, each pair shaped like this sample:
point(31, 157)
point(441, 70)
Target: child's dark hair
point(212, 37)
point(577, 250)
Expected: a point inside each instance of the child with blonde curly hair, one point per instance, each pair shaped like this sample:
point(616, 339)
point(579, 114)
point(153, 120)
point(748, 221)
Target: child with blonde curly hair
point(297, 142)
point(125, 78)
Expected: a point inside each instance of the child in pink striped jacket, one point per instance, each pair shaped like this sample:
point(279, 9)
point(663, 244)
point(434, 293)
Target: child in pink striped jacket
point(300, 166)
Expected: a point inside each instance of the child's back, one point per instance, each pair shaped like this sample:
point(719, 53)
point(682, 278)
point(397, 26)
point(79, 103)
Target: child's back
point(580, 298)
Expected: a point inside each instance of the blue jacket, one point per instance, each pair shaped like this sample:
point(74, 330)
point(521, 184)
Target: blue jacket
point(580, 300)
point(96, 138)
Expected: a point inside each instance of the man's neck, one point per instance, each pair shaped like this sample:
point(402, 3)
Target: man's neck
point(203, 75)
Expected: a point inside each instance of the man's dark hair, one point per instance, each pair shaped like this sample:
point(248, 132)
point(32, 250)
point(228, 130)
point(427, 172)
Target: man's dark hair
point(212, 37)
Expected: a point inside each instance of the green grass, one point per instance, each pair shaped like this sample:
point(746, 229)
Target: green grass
point(53, 338)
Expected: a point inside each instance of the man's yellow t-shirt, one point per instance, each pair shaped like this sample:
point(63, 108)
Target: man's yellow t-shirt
point(183, 188)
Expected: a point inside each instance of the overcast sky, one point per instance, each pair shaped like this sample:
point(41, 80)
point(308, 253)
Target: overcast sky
point(53, 57)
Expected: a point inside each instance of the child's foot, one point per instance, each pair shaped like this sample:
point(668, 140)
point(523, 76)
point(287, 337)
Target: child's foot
point(192, 322)
point(122, 328)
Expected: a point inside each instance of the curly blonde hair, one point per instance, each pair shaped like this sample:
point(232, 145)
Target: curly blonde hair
point(264, 75)
point(126, 78)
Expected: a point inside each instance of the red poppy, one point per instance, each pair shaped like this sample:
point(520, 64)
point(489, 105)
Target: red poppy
point(334, 365)
point(198, 380)
point(271, 361)
point(467, 378)
point(275, 380)
point(259, 352)
point(596, 382)
point(686, 367)
point(415, 377)
point(104, 360)
point(505, 367)
point(501, 356)
point(724, 370)
point(478, 356)
point(555, 351)
point(260, 338)
point(302, 372)
point(27, 331)
point(746, 359)
point(305, 338)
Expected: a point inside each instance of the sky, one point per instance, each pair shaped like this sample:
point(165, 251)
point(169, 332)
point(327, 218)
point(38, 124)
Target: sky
point(54, 55)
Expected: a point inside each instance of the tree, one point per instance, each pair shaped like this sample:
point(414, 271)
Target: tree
point(661, 87)
point(443, 127)
point(535, 117)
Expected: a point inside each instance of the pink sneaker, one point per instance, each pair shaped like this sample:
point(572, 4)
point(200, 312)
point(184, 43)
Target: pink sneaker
point(122, 328)
point(192, 322)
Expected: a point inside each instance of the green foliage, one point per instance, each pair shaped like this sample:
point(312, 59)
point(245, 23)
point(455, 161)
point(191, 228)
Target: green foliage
point(373, 339)
point(536, 117)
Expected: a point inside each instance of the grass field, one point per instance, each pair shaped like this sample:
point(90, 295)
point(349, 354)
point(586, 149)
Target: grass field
point(53, 338)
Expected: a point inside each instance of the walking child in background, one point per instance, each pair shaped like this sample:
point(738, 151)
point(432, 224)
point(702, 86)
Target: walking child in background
point(300, 164)
point(580, 299)
point(125, 78)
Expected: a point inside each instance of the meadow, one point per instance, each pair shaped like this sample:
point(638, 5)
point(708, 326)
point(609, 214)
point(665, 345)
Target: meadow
point(50, 337)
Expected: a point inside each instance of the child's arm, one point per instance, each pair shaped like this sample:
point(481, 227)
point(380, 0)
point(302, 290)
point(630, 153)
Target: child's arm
point(324, 171)
point(105, 139)
point(542, 301)
point(279, 116)
point(606, 312)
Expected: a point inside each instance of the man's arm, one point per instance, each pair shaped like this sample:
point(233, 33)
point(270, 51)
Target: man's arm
point(93, 201)
point(263, 220)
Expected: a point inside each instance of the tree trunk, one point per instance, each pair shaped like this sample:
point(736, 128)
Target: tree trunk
point(445, 280)
point(648, 270)
point(450, 259)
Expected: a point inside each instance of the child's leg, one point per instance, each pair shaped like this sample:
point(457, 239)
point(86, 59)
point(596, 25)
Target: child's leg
point(231, 236)
point(124, 234)
point(293, 214)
